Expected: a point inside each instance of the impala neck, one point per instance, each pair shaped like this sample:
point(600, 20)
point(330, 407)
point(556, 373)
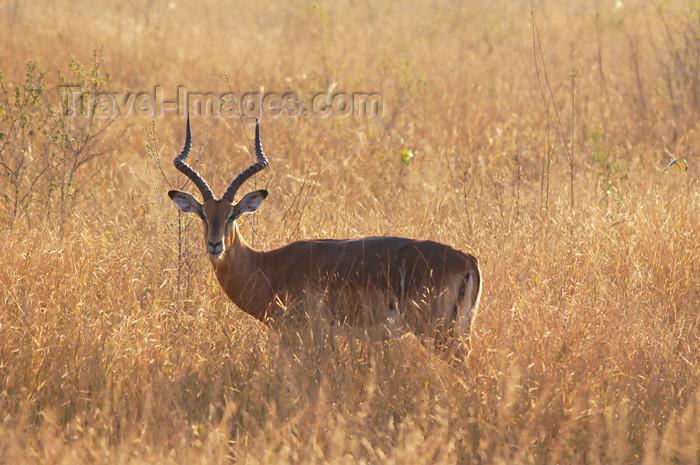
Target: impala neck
point(238, 272)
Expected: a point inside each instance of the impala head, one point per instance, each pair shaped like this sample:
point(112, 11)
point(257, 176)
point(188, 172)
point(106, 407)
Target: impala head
point(218, 215)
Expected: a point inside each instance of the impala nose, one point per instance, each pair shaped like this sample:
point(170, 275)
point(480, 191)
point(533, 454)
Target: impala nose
point(215, 248)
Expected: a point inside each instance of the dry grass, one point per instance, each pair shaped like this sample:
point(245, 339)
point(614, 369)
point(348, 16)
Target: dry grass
point(115, 350)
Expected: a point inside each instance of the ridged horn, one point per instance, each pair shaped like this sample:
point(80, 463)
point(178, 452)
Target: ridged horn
point(190, 172)
point(259, 165)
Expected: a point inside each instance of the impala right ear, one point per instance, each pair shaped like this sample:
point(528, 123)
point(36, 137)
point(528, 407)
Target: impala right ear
point(186, 202)
point(249, 203)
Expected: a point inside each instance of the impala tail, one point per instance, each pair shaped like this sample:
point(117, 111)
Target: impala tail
point(470, 296)
point(473, 289)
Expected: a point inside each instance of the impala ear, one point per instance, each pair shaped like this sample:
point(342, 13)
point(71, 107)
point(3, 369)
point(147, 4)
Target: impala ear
point(249, 203)
point(186, 202)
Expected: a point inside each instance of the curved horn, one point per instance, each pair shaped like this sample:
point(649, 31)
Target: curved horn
point(190, 172)
point(259, 165)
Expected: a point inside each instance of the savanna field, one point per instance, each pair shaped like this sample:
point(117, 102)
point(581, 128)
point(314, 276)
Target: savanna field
point(557, 142)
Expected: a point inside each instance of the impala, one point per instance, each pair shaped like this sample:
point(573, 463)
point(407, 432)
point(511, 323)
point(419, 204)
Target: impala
point(385, 283)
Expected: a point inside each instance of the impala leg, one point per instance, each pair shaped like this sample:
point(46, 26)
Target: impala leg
point(391, 326)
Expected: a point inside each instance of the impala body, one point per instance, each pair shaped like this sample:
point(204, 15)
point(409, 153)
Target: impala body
point(385, 283)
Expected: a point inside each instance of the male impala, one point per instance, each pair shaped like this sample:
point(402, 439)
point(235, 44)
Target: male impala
point(374, 282)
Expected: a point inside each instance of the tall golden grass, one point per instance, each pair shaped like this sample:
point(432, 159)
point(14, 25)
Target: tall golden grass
point(117, 345)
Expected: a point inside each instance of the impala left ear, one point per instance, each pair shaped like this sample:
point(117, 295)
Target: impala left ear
point(249, 203)
point(186, 202)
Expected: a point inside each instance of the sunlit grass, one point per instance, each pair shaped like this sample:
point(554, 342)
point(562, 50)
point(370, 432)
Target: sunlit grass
point(585, 350)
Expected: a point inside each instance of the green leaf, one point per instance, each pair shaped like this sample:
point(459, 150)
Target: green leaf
point(406, 156)
point(677, 162)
